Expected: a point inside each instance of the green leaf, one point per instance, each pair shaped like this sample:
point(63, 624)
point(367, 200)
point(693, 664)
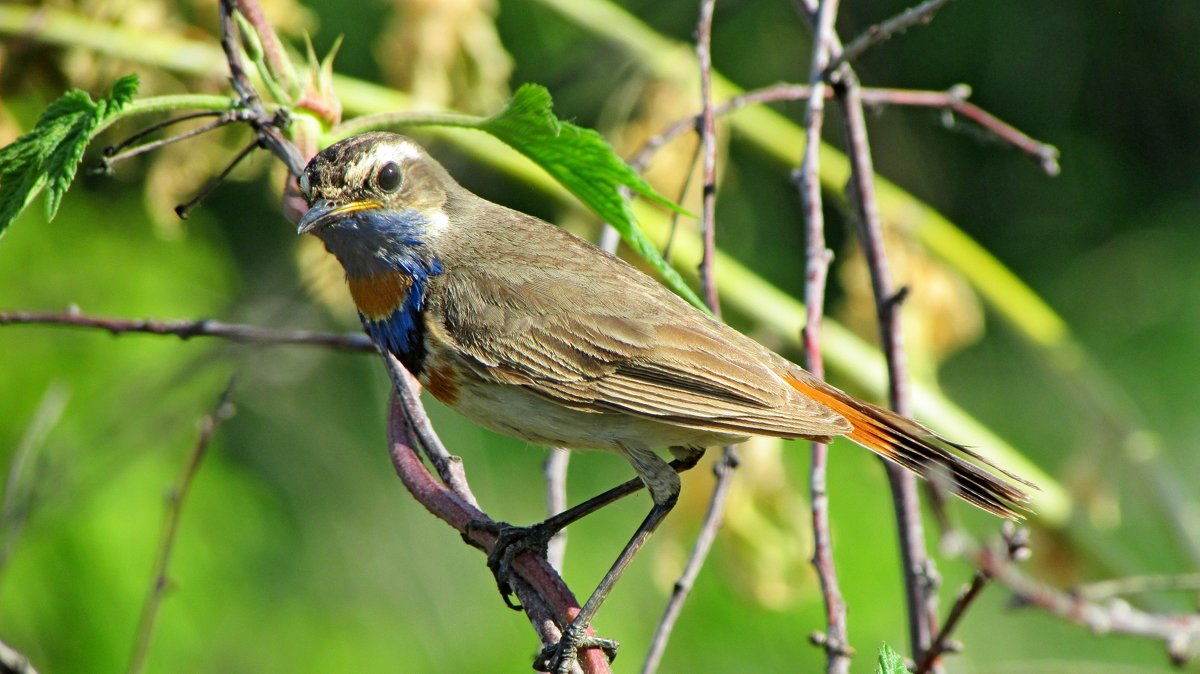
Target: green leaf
point(890, 662)
point(48, 156)
point(586, 165)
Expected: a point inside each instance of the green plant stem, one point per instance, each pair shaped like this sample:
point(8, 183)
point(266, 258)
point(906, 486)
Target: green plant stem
point(172, 103)
point(387, 120)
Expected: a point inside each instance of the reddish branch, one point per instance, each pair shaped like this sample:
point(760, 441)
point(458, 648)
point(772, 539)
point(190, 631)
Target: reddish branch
point(544, 597)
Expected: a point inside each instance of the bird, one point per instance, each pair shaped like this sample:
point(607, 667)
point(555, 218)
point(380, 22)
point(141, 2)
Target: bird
point(533, 332)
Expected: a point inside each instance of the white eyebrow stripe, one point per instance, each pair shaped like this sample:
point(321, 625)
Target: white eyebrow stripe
point(404, 150)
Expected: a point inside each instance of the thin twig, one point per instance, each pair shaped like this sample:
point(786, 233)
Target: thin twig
point(952, 100)
point(917, 566)
point(941, 644)
point(727, 464)
point(14, 662)
point(187, 329)
point(1108, 589)
point(1179, 632)
point(184, 209)
point(266, 126)
point(113, 154)
point(20, 486)
point(175, 500)
point(723, 470)
point(922, 13)
point(708, 140)
point(955, 100)
point(554, 469)
point(835, 639)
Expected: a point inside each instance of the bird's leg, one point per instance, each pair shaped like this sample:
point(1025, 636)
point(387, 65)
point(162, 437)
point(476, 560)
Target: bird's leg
point(663, 482)
point(513, 540)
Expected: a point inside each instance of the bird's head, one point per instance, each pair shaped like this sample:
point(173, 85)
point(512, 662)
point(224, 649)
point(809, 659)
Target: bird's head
point(377, 201)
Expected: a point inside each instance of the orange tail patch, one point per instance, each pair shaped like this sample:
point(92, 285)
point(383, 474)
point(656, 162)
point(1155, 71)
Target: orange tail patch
point(920, 450)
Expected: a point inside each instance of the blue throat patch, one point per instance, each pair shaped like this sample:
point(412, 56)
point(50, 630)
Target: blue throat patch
point(378, 243)
point(403, 332)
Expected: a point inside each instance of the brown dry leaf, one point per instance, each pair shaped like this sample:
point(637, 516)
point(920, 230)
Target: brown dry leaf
point(446, 53)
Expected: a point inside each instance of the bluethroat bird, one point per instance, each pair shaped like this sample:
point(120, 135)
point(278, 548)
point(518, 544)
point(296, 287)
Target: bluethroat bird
point(533, 332)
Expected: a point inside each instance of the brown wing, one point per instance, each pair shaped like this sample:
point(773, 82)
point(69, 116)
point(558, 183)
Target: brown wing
point(590, 332)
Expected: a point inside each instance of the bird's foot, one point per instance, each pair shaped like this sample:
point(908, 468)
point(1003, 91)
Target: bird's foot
point(562, 657)
point(511, 541)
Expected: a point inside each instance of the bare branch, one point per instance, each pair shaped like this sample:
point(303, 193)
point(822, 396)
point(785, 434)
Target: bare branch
point(953, 100)
point(917, 566)
point(921, 14)
point(449, 468)
point(187, 329)
point(546, 600)
point(1180, 633)
point(1107, 589)
point(175, 499)
point(942, 643)
point(835, 639)
point(723, 469)
point(727, 464)
point(554, 469)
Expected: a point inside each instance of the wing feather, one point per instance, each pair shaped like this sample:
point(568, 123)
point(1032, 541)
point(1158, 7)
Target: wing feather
point(609, 339)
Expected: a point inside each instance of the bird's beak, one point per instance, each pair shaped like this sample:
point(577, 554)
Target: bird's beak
point(325, 213)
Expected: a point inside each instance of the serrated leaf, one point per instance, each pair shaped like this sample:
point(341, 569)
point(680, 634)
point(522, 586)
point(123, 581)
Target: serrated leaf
point(48, 156)
point(583, 162)
point(890, 661)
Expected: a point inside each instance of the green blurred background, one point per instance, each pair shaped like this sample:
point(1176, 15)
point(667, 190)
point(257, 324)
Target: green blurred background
point(300, 550)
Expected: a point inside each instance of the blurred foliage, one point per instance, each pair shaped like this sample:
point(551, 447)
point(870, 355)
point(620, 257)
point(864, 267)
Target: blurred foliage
point(300, 551)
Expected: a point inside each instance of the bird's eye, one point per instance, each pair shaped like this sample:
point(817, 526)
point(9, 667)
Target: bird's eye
point(389, 177)
point(305, 185)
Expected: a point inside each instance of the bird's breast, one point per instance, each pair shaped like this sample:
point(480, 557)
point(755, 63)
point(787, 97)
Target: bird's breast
point(381, 295)
point(391, 305)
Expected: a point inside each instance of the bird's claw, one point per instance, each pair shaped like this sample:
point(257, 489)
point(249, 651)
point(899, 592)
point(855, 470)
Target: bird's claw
point(562, 657)
point(510, 541)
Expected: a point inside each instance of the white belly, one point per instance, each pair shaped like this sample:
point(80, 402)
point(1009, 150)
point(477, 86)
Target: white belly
point(514, 411)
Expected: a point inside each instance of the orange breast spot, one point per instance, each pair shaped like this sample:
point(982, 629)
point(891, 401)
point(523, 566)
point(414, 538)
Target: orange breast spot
point(377, 297)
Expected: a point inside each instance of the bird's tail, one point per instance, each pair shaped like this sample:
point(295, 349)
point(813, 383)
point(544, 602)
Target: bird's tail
point(911, 445)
